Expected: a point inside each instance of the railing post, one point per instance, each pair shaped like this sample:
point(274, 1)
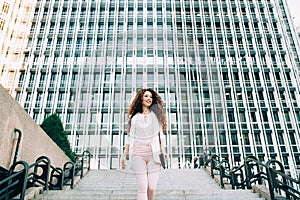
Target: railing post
point(250, 162)
point(69, 173)
point(212, 166)
point(17, 145)
point(236, 174)
point(272, 177)
point(23, 179)
point(46, 170)
point(88, 155)
point(215, 160)
point(207, 157)
point(224, 165)
point(56, 173)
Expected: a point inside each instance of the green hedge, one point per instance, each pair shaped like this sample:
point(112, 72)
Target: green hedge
point(53, 126)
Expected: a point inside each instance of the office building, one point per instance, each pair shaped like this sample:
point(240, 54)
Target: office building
point(15, 24)
point(228, 71)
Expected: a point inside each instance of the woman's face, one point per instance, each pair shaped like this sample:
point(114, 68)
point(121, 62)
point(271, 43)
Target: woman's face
point(147, 99)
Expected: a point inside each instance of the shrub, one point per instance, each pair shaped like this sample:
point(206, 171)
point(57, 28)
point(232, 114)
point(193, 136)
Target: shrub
point(53, 126)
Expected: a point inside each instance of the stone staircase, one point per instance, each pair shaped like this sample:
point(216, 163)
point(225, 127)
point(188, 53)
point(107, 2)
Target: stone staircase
point(173, 185)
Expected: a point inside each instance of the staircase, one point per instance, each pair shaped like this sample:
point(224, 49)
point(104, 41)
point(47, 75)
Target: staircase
point(173, 185)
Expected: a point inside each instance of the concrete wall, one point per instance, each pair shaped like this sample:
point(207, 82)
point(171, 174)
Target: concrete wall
point(35, 142)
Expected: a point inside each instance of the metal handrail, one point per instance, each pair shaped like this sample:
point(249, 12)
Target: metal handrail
point(224, 172)
point(254, 171)
point(71, 169)
point(214, 164)
point(237, 177)
point(281, 181)
point(17, 145)
point(56, 178)
point(80, 162)
point(68, 174)
point(42, 174)
point(39, 176)
point(15, 183)
point(206, 157)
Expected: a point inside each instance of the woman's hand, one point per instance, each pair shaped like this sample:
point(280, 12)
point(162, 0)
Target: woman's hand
point(123, 162)
point(166, 156)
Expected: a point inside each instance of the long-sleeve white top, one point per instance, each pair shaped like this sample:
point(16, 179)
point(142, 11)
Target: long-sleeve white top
point(145, 129)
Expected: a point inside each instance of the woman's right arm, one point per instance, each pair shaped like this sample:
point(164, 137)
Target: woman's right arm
point(127, 145)
point(124, 156)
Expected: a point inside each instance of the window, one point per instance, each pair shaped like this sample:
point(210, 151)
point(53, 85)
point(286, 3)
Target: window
point(53, 80)
point(287, 116)
point(79, 41)
point(242, 117)
point(2, 23)
point(28, 97)
point(265, 116)
point(257, 138)
point(206, 95)
point(59, 41)
point(50, 96)
point(5, 7)
point(256, 75)
point(260, 95)
point(231, 116)
point(277, 75)
point(253, 117)
point(298, 115)
point(271, 95)
point(31, 80)
point(246, 138)
point(208, 117)
point(234, 139)
point(61, 96)
point(71, 25)
point(249, 94)
point(49, 42)
point(69, 40)
point(269, 138)
point(69, 117)
point(276, 116)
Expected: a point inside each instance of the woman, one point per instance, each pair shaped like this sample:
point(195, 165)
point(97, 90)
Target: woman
point(146, 119)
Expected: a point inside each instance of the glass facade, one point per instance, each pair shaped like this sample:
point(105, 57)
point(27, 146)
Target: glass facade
point(226, 69)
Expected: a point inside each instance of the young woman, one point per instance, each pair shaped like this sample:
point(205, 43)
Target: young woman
point(146, 119)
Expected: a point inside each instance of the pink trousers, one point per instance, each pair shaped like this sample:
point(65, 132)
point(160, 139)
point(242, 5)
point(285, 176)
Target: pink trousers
point(146, 171)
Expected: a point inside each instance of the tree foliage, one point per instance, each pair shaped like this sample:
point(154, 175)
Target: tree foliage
point(53, 126)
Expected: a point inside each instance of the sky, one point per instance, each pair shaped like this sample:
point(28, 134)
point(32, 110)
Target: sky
point(294, 6)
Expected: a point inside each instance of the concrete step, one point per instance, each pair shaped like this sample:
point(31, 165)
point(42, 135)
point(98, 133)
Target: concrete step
point(173, 184)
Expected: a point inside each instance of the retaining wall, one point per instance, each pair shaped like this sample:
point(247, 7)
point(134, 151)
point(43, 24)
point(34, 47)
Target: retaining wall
point(34, 143)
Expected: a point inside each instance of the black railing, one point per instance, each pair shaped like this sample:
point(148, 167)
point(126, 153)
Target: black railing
point(41, 173)
point(15, 183)
point(254, 172)
point(17, 144)
point(280, 182)
point(71, 170)
point(56, 178)
point(38, 173)
point(224, 169)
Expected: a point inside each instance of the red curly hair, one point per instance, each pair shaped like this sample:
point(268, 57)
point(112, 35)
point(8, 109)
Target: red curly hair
point(157, 107)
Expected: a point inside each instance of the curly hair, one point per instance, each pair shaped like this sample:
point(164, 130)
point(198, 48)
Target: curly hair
point(157, 107)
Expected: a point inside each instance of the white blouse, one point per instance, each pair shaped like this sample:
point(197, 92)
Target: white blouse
point(144, 129)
